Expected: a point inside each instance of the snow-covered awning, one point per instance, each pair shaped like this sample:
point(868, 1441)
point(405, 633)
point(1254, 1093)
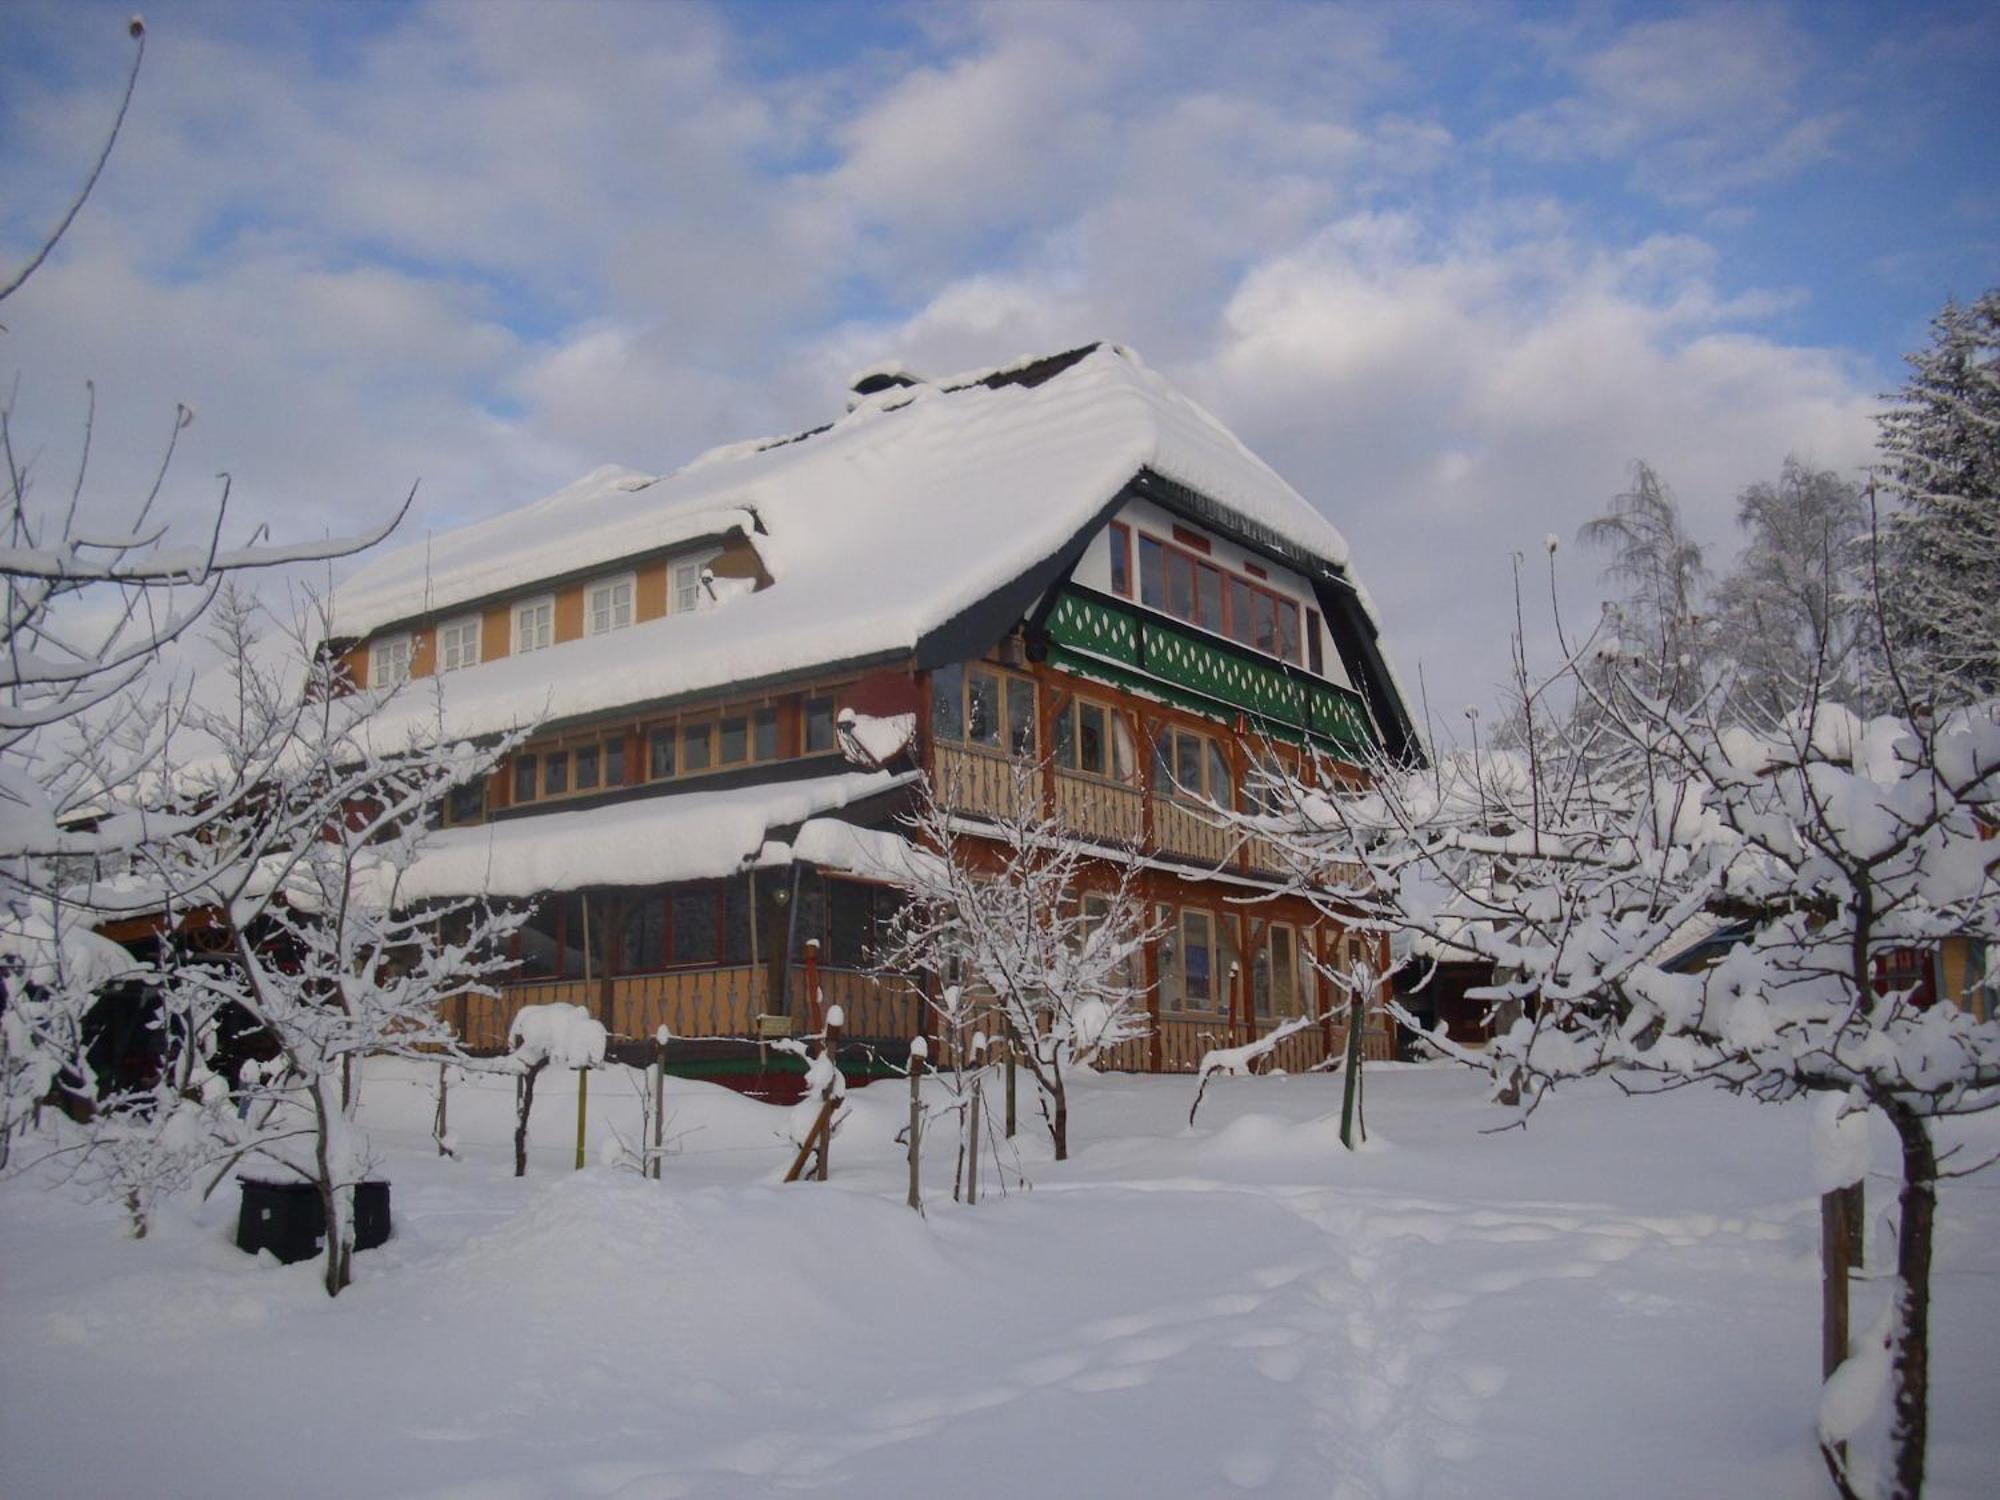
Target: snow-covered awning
point(685, 836)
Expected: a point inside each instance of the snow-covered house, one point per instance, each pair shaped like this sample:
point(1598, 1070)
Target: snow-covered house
point(739, 670)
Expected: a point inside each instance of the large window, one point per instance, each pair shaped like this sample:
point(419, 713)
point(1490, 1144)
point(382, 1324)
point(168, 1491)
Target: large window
point(850, 919)
point(1197, 961)
point(535, 624)
point(819, 725)
point(389, 660)
point(1191, 767)
point(692, 925)
point(550, 945)
point(458, 643)
point(982, 705)
point(1274, 974)
point(1096, 739)
point(1179, 581)
point(607, 604)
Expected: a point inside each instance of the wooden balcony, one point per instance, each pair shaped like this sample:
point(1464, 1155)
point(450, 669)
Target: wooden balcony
point(982, 782)
point(1100, 810)
point(1192, 832)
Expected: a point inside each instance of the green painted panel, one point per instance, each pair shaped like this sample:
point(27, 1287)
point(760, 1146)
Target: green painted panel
point(1113, 640)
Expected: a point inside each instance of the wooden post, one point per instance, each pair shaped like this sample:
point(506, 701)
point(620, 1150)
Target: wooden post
point(835, 1019)
point(812, 982)
point(1012, 1072)
point(1842, 1220)
point(918, 1051)
point(582, 1103)
point(438, 1127)
point(1350, 1098)
point(659, 1101)
point(972, 1155)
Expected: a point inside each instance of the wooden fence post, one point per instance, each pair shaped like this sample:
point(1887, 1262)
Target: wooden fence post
point(972, 1156)
point(1012, 1037)
point(659, 1101)
point(1842, 1218)
point(919, 1049)
point(1350, 1098)
point(835, 1019)
point(439, 1131)
point(582, 1102)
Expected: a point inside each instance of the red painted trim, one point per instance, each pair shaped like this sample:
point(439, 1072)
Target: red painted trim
point(1192, 539)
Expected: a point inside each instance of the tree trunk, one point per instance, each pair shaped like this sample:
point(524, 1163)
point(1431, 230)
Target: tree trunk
point(335, 1201)
point(524, 1102)
point(1059, 1116)
point(1909, 1426)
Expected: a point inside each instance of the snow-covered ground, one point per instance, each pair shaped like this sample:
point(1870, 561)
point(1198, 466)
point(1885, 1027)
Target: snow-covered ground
point(1623, 1299)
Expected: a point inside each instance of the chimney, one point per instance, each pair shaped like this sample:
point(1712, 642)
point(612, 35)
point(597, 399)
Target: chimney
point(889, 375)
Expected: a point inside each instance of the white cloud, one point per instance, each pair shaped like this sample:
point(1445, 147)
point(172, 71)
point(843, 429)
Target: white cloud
point(1700, 104)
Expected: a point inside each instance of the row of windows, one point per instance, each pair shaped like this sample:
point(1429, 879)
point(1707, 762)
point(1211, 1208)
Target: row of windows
point(1177, 580)
point(982, 705)
point(985, 706)
point(691, 746)
point(608, 604)
point(1202, 950)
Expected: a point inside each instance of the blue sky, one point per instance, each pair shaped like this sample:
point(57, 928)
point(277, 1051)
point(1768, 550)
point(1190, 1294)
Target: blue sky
point(1450, 267)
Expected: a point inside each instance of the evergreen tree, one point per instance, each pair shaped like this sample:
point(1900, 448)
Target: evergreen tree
point(1941, 562)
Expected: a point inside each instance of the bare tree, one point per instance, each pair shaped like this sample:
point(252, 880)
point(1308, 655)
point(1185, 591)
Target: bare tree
point(94, 591)
point(1033, 930)
point(1792, 612)
point(1835, 843)
point(302, 864)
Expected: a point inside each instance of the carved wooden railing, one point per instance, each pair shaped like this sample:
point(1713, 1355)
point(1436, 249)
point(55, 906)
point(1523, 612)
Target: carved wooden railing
point(689, 1002)
point(879, 1009)
point(1100, 810)
point(976, 781)
point(1191, 832)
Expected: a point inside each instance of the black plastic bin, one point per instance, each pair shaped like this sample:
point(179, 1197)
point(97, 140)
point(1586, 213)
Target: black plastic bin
point(286, 1219)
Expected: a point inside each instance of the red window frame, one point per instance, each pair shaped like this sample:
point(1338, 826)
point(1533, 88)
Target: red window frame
point(1121, 559)
point(1183, 573)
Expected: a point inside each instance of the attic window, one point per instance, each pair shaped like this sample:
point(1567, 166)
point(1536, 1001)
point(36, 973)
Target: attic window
point(608, 604)
point(389, 660)
point(691, 589)
point(458, 643)
point(535, 624)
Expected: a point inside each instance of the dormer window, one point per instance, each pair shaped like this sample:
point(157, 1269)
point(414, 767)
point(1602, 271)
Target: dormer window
point(389, 660)
point(608, 604)
point(687, 589)
point(458, 643)
point(535, 624)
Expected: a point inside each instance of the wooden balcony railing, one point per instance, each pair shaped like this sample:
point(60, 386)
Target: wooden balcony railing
point(1100, 810)
point(976, 781)
point(1191, 832)
point(878, 1009)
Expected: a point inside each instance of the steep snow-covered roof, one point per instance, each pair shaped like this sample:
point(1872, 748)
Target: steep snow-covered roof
point(875, 530)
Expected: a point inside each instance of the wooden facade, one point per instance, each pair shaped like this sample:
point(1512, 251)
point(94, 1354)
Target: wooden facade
point(1191, 861)
point(1123, 698)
